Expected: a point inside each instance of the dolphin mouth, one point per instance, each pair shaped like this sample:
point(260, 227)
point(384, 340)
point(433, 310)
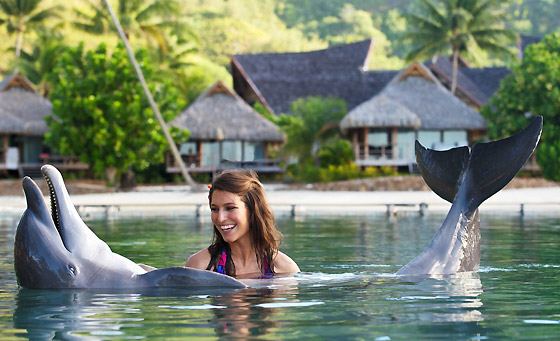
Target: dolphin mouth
point(55, 208)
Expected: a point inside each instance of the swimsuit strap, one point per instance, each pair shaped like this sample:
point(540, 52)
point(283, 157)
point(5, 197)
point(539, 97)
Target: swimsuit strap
point(221, 269)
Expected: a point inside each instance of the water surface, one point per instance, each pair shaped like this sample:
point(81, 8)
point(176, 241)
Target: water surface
point(346, 289)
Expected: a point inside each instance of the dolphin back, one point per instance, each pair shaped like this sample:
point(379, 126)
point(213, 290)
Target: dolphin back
point(178, 276)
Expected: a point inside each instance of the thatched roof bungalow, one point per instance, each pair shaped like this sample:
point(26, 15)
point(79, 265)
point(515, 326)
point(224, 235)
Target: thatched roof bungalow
point(226, 132)
point(278, 79)
point(22, 123)
point(22, 127)
point(414, 105)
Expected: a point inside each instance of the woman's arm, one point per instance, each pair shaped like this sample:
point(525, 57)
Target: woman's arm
point(284, 264)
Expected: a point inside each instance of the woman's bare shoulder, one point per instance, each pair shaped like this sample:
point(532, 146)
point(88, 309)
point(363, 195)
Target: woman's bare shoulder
point(199, 260)
point(284, 264)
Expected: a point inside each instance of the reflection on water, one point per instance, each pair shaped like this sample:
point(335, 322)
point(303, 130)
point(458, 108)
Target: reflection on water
point(46, 314)
point(454, 298)
point(348, 289)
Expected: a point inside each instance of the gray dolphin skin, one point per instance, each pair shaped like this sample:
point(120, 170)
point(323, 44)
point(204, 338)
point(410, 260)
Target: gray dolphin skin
point(58, 250)
point(467, 178)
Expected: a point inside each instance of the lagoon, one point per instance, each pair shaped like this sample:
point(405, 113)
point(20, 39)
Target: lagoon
point(347, 289)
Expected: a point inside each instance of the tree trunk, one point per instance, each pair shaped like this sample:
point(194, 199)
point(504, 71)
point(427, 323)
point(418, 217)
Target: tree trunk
point(19, 37)
point(111, 176)
point(128, 181)
point(455, 68)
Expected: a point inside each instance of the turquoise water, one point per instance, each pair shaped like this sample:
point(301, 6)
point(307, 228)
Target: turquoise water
point(346, 289)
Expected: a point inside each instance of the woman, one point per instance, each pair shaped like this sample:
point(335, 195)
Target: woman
point(246, 242)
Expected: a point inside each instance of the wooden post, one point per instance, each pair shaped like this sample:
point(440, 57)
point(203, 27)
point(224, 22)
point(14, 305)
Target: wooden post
point(356, 143)
point(394, 144)
point(6, 146)
point(366, 144)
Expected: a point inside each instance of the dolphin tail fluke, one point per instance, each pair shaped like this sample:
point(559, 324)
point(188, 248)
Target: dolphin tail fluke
point(485, 170)
point(442, 170)
point(492, 165)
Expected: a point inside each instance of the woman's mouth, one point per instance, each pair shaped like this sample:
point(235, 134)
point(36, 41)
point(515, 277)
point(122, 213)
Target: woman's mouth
point(227, 227)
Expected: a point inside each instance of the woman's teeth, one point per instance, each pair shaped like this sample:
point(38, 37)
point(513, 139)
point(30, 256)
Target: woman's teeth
point(227, 227)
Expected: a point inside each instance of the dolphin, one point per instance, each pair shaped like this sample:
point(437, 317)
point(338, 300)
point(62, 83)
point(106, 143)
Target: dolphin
point(466, 178)
point(57, 250)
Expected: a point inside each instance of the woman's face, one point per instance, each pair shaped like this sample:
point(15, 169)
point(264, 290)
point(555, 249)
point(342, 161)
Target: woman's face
point(230, 216)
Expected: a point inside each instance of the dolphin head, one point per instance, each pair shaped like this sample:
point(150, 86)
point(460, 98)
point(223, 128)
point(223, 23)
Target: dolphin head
point(57, 249)
point(40, 258)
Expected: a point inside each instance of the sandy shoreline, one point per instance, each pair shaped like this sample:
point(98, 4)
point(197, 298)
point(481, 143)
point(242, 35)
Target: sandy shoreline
point(165, 199)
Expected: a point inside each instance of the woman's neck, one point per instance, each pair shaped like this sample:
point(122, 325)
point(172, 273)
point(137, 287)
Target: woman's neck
point(242, 250)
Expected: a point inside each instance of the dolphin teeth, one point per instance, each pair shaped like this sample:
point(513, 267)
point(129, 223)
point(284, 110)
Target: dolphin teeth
point(54, 203)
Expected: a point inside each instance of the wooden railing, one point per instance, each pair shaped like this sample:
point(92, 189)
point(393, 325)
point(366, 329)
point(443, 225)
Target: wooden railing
point(193, 163)
point(65, 162)
point(386, 155)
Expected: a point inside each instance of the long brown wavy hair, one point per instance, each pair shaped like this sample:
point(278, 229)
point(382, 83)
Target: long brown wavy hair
point(265, 237)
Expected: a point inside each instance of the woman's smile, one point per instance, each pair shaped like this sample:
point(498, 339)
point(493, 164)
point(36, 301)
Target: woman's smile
point(228, 227)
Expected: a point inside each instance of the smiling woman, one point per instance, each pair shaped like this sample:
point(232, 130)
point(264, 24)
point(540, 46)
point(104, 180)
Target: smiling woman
point(246, 241)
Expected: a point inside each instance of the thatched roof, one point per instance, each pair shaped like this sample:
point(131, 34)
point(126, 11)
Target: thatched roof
point(416, 90)
point(381, 112)
point(22, 111)
point(421, 92)
point(277, 79)
point(478, 85)
point(220, 114)
point(16, 80)
point(487, 79)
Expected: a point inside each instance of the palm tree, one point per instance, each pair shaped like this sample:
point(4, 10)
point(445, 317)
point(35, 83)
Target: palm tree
point(150, 20)
point(464, 27)
point(21, 15)
point(42, 58)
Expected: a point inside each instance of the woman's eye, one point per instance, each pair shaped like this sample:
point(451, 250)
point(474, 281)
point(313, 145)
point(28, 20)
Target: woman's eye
point(214, 209)
point(231, 208)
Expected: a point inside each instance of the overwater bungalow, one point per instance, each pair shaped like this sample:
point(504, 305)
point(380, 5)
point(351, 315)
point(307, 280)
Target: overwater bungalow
point(225, 132)
point(413, 106)
point(22, 127)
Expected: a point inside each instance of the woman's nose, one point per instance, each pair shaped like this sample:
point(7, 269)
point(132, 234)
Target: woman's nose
point(222, 215)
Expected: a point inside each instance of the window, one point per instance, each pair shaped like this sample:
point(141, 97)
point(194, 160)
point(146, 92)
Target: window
point(454, 138)
point(429, 138)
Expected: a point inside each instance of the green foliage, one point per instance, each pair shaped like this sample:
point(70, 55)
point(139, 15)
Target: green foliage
point(101, 114)
point(336, 153)
point(463, 26)
point(308, 173)
point(42, 59)
point(149, 20)
point(20, 16)
point(309, 123)
point(339, 172)
point(249, 26)
point(534, 89)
